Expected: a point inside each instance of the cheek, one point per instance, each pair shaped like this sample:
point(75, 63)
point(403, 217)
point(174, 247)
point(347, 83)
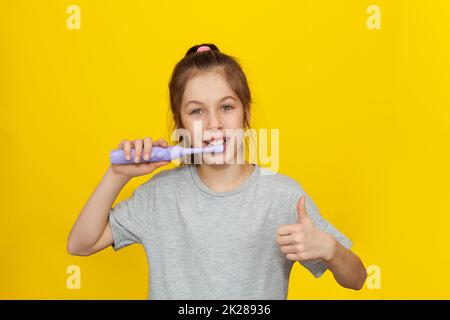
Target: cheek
point(235, 120)
point(196, 138)
point(185, 123)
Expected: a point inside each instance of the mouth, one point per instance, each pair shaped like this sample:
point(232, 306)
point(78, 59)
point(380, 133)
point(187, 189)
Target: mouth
point(216, 142)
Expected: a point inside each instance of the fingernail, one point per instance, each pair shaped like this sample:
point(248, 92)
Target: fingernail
point(146, 156)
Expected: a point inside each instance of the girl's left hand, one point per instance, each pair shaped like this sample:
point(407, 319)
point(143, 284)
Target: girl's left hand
point(303, 241)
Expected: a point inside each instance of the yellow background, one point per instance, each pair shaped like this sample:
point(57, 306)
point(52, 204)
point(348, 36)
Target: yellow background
point(363, 117)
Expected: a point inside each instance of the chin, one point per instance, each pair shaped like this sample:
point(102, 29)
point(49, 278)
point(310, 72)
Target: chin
point(220, 159)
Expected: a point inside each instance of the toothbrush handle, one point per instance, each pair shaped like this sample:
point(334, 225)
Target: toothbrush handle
point(158, 154)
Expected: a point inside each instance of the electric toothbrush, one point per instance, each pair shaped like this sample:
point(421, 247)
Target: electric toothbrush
point(163, 154)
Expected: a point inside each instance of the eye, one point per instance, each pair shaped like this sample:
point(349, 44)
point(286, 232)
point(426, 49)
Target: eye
point(195, 111)
point(227, 107)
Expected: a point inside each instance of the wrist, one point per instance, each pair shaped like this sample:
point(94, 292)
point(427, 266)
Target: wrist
point(116, 177)
point(332, 250)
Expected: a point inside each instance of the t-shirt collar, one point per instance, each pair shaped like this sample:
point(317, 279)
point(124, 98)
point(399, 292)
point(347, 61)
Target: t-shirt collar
point(202, 186)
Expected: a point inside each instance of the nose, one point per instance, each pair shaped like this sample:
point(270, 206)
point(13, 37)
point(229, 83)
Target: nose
point(214, 121)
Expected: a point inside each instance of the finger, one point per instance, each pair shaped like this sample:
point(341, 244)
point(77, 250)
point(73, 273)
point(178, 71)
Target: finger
point(138, 145)
point(301, 210)
point(286, 229)
point(285, 240)
point(292, 257)
point(127, 149)
point(147, 147)
point(161, 143)
point(288, 249)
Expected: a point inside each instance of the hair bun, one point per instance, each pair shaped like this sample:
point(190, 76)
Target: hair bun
point(194, 49)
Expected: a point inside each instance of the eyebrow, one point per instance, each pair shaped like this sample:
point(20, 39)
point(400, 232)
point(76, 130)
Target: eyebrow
point(199, 102)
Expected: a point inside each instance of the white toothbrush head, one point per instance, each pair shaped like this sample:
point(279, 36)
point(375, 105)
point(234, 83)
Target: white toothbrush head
point(215, 147)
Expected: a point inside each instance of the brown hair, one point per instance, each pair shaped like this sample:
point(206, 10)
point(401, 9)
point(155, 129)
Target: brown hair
point(196, 62)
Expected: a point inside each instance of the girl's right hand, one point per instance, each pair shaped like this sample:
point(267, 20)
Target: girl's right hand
point(141, 146)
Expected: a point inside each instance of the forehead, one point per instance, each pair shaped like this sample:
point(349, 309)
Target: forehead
point(207, 87)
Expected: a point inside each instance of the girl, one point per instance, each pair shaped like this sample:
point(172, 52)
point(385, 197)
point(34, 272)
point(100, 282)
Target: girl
point(217, 229)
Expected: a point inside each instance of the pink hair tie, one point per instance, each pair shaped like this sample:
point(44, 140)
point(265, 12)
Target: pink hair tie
point(203, 48)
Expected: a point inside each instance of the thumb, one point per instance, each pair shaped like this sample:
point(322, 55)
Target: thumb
point(152, 166)
point(301, 211)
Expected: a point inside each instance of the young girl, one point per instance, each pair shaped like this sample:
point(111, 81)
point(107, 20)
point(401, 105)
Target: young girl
point(217, 229)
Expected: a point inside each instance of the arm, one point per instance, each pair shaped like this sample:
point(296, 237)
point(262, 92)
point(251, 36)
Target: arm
point(347, 267)
point(305, 241)
point(91, 231)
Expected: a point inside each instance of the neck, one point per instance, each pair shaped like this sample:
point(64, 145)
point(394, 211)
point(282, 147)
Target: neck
point(224, 177)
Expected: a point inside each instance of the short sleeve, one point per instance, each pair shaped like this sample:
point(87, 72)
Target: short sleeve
point(129, 218)
point(316, 267)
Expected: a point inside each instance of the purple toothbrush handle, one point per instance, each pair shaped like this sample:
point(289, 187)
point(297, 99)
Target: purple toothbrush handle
point(158, 154)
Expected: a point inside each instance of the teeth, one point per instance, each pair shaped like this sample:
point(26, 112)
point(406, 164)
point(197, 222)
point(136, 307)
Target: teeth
point(215, 142)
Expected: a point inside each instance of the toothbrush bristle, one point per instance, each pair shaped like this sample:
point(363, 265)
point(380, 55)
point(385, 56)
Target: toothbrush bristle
point(215, 145)
point(216, 148)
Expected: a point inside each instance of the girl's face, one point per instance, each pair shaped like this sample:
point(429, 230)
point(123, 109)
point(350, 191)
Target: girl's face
point(211, 107)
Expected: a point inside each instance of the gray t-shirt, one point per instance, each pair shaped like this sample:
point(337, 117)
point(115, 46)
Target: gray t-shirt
point(203, 244)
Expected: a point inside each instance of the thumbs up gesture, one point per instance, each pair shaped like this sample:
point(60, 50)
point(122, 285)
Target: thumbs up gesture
point(303, 241)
